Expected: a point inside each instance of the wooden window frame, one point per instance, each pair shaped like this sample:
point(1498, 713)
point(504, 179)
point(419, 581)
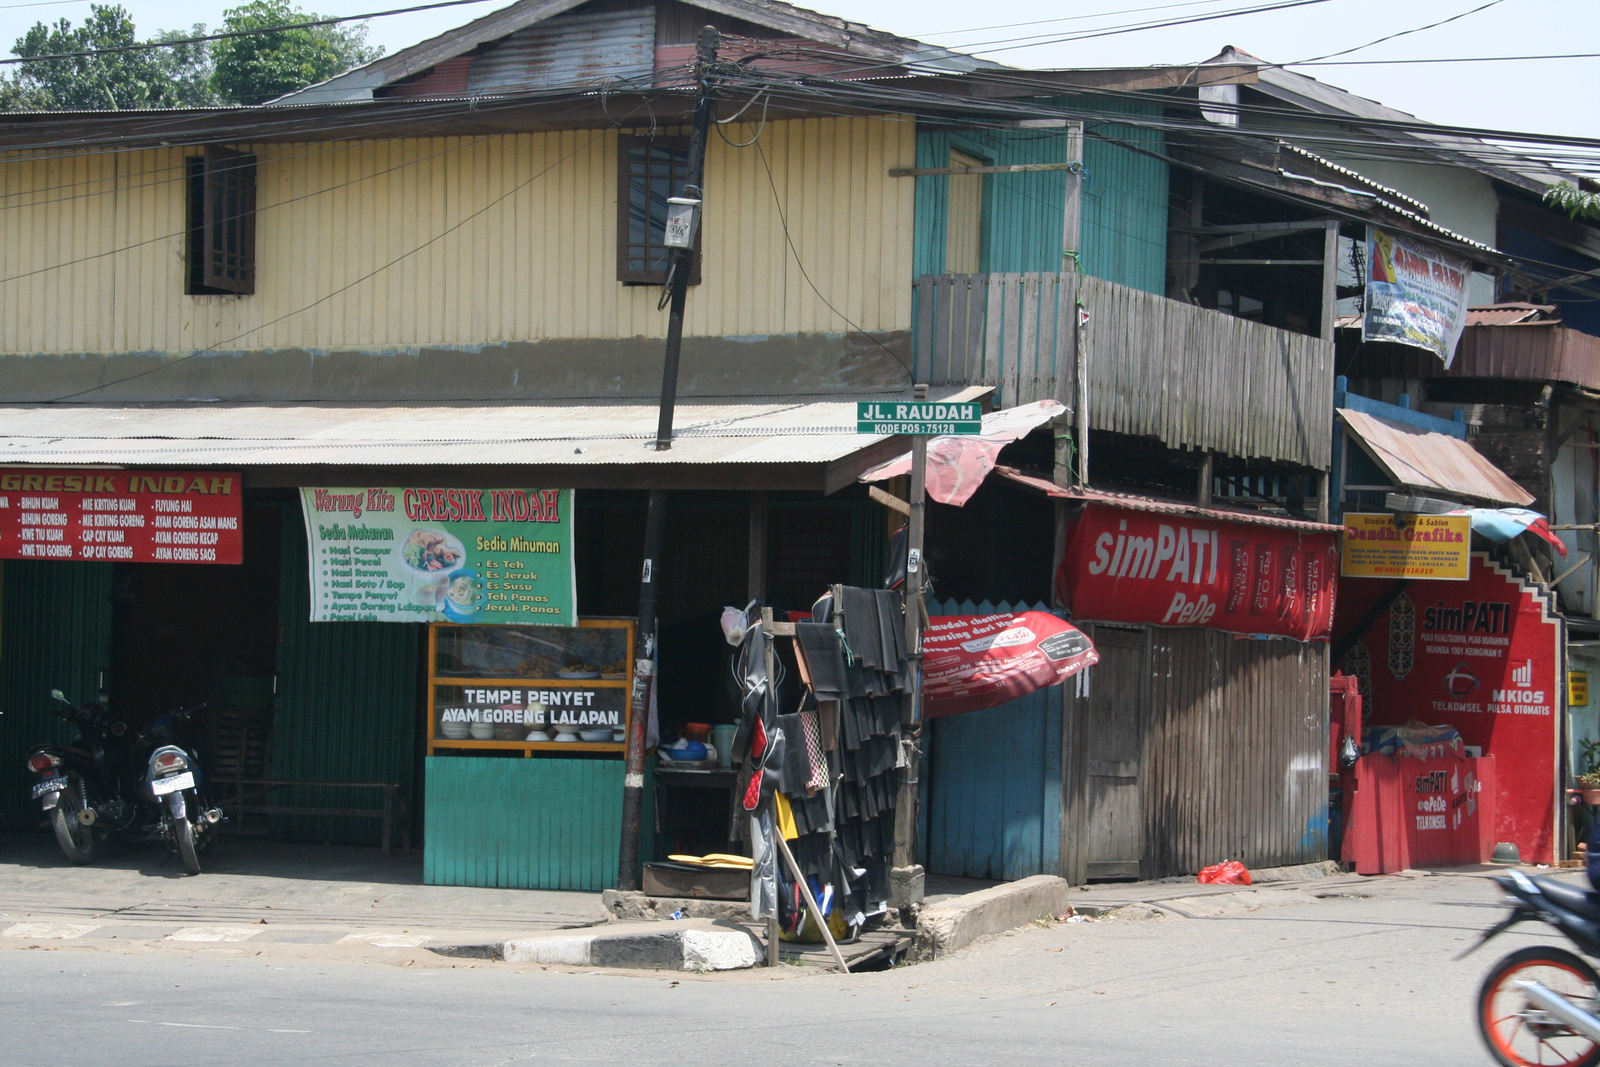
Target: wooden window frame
point(625, 178)
point(222, 223)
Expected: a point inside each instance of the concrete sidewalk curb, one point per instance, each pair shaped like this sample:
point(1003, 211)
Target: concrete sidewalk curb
point(688, 945)
point(943, 928)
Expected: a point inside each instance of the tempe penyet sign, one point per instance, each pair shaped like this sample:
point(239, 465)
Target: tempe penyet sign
point(918, 417)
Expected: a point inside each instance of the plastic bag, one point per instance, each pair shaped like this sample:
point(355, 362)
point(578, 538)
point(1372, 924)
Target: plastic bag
point(1231, 872)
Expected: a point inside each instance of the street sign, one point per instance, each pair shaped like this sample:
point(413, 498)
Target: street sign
point(918, 417)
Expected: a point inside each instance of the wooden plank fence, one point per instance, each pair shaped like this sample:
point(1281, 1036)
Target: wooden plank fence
point(1187, 376)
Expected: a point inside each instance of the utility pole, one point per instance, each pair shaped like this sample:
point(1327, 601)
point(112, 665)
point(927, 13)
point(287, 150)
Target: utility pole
point(906, 875)
point(681, 225)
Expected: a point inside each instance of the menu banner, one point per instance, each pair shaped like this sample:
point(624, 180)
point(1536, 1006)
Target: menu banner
point(121, 516)
point(485, 556)
point(1386, 545)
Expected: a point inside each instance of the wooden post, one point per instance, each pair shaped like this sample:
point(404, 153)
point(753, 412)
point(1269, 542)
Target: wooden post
point(906, 877)
point(771, 803)
point(756, 581)
point(1330, 302)
point(1072, 216)
point(1203, 481)
point(1081, 369)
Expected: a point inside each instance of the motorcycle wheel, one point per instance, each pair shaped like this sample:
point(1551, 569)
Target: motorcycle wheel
point(1518, 1033)
point(183, 836)
point(75, 839)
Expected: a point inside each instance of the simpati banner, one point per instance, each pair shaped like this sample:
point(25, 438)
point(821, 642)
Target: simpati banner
point(486, 556)
point(1416, 293)
point(1135, 566)
point(1483, 656)
point(972, 662)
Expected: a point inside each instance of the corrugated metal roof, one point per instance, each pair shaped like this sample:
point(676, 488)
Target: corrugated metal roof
point(570, 49)
point(777, 430)
point(1511, 313)
point(1163, 507)
point(1417, 459)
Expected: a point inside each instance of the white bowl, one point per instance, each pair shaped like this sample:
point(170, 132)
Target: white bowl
point(537, 735)
point(454, 731)
point(482, 731)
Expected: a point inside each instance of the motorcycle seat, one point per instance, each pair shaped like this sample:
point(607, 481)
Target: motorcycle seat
point(1584, 902)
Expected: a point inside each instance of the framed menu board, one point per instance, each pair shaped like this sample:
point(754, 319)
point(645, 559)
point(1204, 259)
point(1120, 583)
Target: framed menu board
point(529, 688)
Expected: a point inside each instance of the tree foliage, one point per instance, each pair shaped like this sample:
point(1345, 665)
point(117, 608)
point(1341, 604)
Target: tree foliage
point(238, 70)
point(257, 68)
point(1577, 203)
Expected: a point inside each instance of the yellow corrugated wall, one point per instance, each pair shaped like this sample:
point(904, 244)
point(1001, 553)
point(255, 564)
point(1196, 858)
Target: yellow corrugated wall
point(510, 237)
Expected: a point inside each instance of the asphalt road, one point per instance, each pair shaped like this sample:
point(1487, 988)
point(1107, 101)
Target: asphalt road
point(1346, 980)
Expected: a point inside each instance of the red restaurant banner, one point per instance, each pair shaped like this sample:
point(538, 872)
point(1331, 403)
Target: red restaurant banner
point(121, 516)
point(1484, 656)
point(1134, 566)
point(972, 662)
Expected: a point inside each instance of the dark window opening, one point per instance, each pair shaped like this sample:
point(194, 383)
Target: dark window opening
point(221, 253)
point(649, 171)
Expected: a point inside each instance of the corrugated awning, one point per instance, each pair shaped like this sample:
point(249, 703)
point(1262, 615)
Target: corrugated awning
point(1417, 459)
point(763, 434)
point(1163, 507)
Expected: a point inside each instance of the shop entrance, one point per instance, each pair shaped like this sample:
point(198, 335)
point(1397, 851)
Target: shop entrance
point(191, 634)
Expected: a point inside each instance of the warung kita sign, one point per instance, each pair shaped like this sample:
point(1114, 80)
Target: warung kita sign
point(485, 556)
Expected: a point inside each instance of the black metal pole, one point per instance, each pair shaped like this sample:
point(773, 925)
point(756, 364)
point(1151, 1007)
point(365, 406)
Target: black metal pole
point(655, 522)
point(683, 259)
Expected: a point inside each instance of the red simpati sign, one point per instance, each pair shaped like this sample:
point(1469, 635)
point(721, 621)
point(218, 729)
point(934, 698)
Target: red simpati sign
point(972, 662)
point(121, 516)
point(1484, 656)
point(1135, 566)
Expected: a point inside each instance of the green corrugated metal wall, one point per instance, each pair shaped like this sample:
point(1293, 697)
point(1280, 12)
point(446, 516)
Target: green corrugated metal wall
point(1124, 223)
point(525, 823)
point(348, 698)
point(55, 633)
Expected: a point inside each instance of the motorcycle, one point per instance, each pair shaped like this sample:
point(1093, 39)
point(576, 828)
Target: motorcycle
point(136, 786)
point(1541, 1004)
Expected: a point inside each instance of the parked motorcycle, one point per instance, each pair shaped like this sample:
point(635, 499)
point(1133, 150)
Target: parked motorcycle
point(1541, 1005)
point(134, 785)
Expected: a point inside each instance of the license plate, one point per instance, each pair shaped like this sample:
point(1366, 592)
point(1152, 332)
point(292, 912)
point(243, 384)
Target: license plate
point(50, 785)
point(162, 786)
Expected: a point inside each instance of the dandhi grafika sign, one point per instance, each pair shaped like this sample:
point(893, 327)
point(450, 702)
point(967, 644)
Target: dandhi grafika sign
point(1484, 656)
point(1135, 566)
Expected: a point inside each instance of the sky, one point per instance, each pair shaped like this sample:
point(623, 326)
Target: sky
point(1543, 96)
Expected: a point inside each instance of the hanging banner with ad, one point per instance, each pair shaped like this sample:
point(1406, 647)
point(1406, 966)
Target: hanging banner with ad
point(486, 556)
point(1406, 546)
point(121, 516)
point(1133, 566)
point(1483, 656)
point(1416, 293)
point(972, 662)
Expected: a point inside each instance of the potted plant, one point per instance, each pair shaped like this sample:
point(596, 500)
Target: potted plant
point(1589, 786)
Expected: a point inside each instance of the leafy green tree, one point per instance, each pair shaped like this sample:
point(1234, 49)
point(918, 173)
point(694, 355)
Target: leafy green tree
point(257, 68)
point(117, 80)
point(186, 69)
point(1577, 203)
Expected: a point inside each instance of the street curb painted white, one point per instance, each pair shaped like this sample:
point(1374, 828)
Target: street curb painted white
point(952, 924)
point(672, 948)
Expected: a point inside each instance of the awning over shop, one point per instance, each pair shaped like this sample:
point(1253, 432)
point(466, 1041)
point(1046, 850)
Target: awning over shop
point(1431, 462)
point(773, 442)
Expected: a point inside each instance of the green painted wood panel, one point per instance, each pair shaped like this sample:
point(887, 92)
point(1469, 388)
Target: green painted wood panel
point(55, 633)
point(349, 700)
point(1124, 223)
point(549, 823)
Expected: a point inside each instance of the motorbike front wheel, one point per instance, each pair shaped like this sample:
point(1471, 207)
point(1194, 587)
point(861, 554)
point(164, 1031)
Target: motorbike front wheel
point(1520, 1033)
point(75, 839)
point(183, 836)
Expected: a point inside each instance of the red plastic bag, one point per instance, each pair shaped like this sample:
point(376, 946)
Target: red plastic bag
point(1230, 873)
